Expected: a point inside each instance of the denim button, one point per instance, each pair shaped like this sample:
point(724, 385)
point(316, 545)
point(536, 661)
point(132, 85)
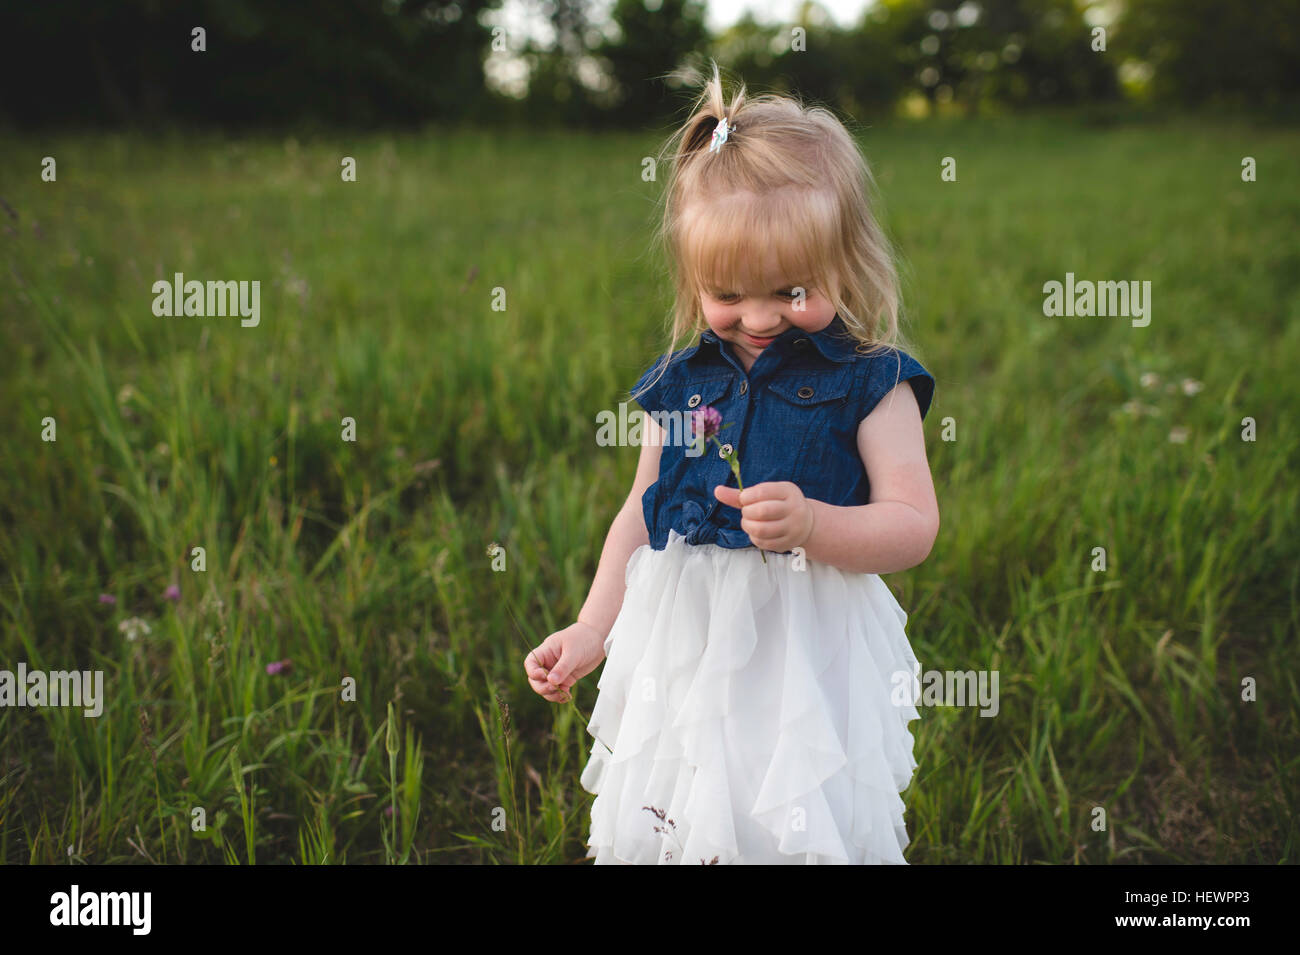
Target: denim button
point(693, 401)
point(800, 342)
point(805, 392)
point(744, 387)
point(724, 451)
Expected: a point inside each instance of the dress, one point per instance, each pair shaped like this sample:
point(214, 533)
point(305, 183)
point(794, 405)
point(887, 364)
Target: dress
point(751, 712)
point(751, 703)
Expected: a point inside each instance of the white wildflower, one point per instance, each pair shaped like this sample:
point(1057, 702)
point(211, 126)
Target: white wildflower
point(133, 627)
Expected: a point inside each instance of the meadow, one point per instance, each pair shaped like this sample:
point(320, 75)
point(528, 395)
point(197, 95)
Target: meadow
point(394, 723)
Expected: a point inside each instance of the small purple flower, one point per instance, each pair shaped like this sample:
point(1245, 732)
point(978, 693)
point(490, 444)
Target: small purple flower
point(706, 422)
point(279, 666)
point(173, 593)
point(107, 599)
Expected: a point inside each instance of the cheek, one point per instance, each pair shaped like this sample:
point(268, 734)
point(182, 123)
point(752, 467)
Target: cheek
point(715, 315)
point(816, 316)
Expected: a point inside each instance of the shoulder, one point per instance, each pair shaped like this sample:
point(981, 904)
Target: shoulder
point(661, 371)
point(695, 361)
point(666, 375)
point(876, 372)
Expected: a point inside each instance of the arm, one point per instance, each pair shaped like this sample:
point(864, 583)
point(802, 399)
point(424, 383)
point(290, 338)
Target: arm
point(570, 654)
point(898, 527)
point(627, 532)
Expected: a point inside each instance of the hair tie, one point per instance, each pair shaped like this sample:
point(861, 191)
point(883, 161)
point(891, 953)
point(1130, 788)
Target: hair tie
point(719, 135)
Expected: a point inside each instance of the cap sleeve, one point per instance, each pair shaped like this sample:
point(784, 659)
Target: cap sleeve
point(885, 371)
point(650, 396)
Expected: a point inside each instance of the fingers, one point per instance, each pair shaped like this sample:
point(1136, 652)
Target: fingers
point(554, 667)
point(768, 510)
point(756, 493)
point(574, 662)
point(560, 671)
point(539, 678)
point(760, 533)
point(537, 665)
point(778, 532)
point(770, 491)
point(551, 693)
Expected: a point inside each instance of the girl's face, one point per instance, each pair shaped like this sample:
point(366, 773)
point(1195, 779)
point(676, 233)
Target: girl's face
point(750, 319)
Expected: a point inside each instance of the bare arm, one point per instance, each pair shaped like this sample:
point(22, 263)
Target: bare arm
point(898, 527)
point(627, 532)
point(568, 655)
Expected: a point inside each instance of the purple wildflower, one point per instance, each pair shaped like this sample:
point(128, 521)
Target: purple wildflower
point(706, 422)
point(107, 599)
point(173, 593)
point(279, 666)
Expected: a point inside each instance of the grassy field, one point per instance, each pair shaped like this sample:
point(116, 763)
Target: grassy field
point(367, 561)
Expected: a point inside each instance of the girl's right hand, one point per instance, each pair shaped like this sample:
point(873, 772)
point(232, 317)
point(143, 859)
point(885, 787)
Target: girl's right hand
point(564, 658)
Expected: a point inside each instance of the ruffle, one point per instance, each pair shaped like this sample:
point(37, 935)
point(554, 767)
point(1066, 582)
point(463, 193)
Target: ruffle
point(761, 709)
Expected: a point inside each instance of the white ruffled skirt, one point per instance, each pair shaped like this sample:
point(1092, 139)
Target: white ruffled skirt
point(751, 713)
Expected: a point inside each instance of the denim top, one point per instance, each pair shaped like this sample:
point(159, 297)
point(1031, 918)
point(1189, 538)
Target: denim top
point(793, 417)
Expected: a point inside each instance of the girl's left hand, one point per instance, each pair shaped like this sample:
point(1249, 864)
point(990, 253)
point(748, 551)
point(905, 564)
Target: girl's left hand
point(774, 514)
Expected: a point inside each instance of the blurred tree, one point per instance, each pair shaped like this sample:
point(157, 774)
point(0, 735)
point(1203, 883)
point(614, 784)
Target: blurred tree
point(1207, 51)
point(1015, 52)
point(853, 71)
point(654, 38)
point(371, 62)
point(360, 62)
point(556, 93)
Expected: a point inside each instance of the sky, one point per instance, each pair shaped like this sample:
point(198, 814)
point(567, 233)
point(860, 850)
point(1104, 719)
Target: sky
point(507, 73)
point(525, 14)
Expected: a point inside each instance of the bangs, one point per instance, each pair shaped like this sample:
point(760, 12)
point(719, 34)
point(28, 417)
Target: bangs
point(727, 243)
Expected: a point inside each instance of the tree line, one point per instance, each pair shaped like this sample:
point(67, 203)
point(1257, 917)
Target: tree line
point(249, 63)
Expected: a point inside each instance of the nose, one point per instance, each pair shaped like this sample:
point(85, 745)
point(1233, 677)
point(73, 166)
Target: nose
point(763, 325)
point(763, 329)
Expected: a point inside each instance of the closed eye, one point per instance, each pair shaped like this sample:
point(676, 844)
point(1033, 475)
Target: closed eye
point(728, 296)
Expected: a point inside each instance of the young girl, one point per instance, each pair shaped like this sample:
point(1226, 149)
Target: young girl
point(748, 712)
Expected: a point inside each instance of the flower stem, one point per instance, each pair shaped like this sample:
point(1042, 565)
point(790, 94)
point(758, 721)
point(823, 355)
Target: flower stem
point(735, 469)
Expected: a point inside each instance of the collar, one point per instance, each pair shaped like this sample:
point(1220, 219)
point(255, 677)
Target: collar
point(834, 341)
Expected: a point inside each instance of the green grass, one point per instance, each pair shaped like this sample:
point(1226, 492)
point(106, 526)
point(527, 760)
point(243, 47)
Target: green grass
point(1120, 690)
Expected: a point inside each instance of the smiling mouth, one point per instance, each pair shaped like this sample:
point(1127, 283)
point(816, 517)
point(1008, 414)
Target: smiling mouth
point(758, 342)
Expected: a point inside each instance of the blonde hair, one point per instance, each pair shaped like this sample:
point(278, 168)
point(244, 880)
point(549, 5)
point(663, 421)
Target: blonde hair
point(789, 179)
